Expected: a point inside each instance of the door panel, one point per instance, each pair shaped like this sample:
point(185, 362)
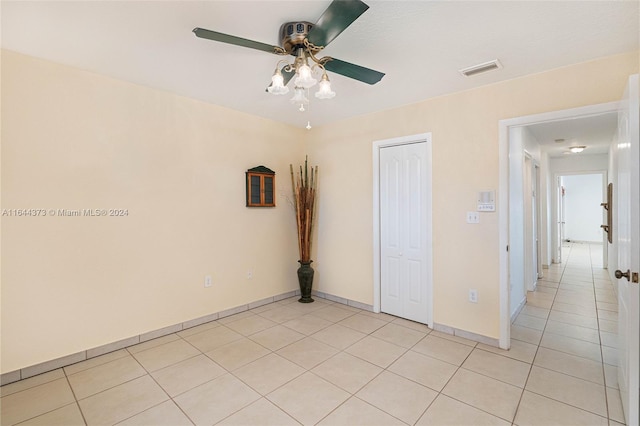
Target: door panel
point(403, 235)
point(628, 207)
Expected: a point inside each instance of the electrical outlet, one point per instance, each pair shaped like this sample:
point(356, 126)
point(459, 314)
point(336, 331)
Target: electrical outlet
point(207, 281)
point(473, 217)
point(249, 274)
point(473, 295)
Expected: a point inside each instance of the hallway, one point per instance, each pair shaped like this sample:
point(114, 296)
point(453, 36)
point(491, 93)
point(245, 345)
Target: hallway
point(572, 316)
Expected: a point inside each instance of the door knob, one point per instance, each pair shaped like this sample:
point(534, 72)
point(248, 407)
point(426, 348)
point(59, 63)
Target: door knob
point(619, 274)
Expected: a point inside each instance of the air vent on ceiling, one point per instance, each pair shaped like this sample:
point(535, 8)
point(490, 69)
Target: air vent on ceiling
point(480, 68)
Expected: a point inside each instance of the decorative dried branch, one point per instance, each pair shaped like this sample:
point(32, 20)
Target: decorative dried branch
point(304, 191)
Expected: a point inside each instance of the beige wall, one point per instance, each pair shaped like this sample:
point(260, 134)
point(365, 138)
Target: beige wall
point(74, 140)
point(464, 128)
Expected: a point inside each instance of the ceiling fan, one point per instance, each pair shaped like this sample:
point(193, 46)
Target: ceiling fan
point(304, 40)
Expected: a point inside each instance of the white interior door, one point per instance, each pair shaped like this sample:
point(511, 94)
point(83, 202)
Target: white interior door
point(628, 207)
point(560, 219)
point(529, 256)
point(405, 187)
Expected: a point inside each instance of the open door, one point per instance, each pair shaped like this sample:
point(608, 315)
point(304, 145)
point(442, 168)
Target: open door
point(627, 201)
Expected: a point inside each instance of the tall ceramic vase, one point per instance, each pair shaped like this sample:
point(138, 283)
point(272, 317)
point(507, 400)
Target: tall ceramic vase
point(305, 279)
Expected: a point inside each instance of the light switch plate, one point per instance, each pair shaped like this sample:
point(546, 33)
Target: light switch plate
point(473, 217)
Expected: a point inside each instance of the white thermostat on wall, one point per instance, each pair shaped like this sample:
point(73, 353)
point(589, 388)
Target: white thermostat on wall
point(487, 201)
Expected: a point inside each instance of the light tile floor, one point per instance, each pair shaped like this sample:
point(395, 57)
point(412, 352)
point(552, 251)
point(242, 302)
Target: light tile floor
point(330, 364)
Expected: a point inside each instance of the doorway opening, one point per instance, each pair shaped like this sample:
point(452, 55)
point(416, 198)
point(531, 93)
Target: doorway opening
point(511, 147)
point(579, 214)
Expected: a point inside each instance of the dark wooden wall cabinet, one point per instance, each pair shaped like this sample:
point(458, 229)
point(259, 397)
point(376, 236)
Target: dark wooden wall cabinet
point(261, 187)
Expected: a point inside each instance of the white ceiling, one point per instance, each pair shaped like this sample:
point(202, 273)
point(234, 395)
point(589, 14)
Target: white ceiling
point(420, 45)
point(594, 132)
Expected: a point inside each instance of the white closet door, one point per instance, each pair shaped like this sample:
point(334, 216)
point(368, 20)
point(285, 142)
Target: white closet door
point(405, 185)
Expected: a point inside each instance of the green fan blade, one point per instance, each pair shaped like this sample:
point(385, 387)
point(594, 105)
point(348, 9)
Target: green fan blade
point(287, 75)
point(356, 72)
point(338, 16)
point(238, 41)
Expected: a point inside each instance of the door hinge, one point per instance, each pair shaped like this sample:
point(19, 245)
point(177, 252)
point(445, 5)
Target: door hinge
point(507, 247)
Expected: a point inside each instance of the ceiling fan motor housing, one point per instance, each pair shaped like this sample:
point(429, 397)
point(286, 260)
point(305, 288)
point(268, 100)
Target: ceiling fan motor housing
point(293, 35)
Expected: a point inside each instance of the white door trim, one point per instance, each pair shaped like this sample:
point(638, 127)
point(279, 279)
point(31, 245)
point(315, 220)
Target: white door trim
point(503, 194)
point(377, 145)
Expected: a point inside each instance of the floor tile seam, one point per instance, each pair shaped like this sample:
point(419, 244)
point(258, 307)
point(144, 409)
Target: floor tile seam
point(405, 350)
point(571, 337)
point(120, 384)
point(438, 392)
point(199, 332)
point(164, 344)
point(369, 404)
point(253, 402)
point(64, 369)
point(266, 396)
point(34, 386)
point(146, 373)
point(480, 409)
point(200, 352)
point(305, 370)
point(75, 402)
point(567, 403)
point(307, 335)
point(564, 351)
point(438, 359)
point(530, 316)
point(269, 349)
point(154, 406)
point(229, 318)
point(568, 323)
point(169, 397)
point(236, 368)
point(495, 378)
point(99, 365)
point(338, 349)
point(573, 313)
point(332, 321)
point(572, 375)
point(524, 341)
point(515, 412)
point(458, 368)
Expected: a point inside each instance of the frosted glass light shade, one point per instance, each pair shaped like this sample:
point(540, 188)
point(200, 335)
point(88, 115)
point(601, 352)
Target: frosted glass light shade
point(304, 77)
point(324, 91)
point(299, 96)
point(277, 84)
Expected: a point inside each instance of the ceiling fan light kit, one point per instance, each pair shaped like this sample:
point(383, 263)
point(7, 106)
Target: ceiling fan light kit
point(303, 40)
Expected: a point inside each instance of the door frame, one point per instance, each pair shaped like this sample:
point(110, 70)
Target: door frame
point(503, 194)
point(377, 145)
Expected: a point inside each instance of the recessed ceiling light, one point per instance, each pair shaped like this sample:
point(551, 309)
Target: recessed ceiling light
point(577, 149)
